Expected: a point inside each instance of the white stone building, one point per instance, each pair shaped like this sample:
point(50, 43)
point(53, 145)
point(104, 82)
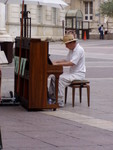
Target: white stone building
point(46, 22)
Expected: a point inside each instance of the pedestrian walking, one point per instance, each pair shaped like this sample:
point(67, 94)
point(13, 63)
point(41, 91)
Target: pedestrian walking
point(101, 31)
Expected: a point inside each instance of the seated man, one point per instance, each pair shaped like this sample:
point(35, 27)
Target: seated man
point(76, 61)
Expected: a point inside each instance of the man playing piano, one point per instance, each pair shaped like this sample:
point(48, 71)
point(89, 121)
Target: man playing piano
point(76, 61)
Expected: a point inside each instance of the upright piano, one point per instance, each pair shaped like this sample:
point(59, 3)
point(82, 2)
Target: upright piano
point(33, 74)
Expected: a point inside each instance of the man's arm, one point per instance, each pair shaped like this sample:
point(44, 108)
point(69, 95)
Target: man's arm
point(63, 63)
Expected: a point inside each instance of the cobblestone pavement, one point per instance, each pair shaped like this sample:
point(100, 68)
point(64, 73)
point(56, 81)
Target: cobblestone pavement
point(66, 128)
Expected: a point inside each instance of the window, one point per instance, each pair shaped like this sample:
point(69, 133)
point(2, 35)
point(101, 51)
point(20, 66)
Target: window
point(86, 17)
point(88, 11)
point(54, 16)
point(86, 7)
point(39, 14)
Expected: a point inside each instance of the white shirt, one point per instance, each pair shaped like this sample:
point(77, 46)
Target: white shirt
point(77, 56)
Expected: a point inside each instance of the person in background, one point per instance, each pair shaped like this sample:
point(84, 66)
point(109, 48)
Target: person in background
point(101, 31)
point(76, 61)
point(106, 31)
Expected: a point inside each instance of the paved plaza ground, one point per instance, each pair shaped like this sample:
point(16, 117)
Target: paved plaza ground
point(68, 128)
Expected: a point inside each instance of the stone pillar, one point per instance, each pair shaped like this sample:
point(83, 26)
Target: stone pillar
point(4, 36)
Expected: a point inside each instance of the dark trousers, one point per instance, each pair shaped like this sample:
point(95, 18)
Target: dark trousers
point(101, 35)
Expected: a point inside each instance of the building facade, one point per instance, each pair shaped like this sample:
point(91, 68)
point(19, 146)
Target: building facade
point(49, 23)
point(90, 11)
point(46, 22)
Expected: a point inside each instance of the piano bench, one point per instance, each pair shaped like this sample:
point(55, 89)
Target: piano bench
point(78, 84)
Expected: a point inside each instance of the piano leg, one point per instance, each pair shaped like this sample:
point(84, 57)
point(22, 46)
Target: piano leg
point(56, 88)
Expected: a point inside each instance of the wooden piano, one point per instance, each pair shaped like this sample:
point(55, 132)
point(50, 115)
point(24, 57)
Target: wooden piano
point(34, 73)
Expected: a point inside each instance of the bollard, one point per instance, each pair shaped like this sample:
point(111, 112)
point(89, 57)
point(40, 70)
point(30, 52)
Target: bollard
point(84, 35)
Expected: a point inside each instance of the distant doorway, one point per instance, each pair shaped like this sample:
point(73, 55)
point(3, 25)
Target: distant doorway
point(74, 24)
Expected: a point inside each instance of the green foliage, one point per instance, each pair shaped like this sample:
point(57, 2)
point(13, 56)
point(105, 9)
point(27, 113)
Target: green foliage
point(106, 8)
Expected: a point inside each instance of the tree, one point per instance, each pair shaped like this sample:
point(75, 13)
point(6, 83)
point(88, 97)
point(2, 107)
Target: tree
point(106, 8)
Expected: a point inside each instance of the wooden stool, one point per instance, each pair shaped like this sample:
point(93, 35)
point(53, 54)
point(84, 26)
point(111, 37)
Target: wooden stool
point(78, 84)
